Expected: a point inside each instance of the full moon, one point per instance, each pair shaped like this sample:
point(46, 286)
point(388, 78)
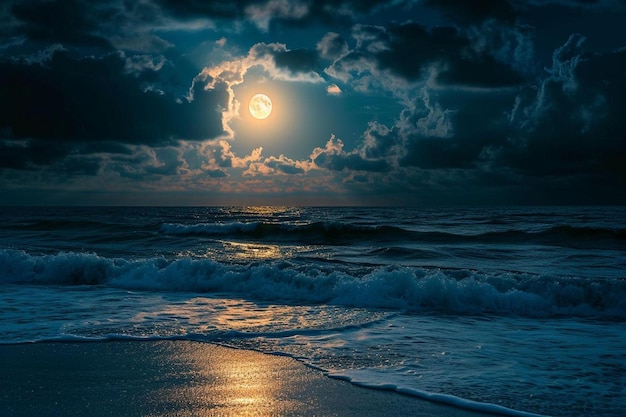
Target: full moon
point(260, 106)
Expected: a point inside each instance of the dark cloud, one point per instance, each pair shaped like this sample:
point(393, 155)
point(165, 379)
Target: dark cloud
point(572, 4)
point(560, 139)
point(325, 11)
point(412, 52)
point(572, 123)
point(65, 21)
point(297, 60)
point(360, 6)
point(193, 8)
point(476, 10)
point(412, 48)
point(332, 46)
point(480, 71)
point(378, 141)
point(351, 162)
point(142, 163)
point(99, 23)
point(441, 130)
point(73, 166)
point(87, 99)
point(64, 102)
point(334, 158)
point(216, 173)
point(283, 165)
point(25, 154)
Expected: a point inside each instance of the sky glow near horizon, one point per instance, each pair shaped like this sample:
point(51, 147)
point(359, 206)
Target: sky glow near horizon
point(377, 102)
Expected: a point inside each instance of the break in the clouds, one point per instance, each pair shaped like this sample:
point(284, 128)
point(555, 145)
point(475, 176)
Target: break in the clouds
point(375, 102)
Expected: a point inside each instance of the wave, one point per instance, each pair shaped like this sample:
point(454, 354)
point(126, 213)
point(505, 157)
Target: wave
point(209, 228)
point(329, 232)
point(401, 288)
point(577, 234)
point(336, 232)
point(317, 231)
point(51, 224)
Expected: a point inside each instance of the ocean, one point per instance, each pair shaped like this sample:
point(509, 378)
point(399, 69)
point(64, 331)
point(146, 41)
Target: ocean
point(519, 311)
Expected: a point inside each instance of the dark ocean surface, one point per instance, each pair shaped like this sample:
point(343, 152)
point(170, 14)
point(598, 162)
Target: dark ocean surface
point(514, 310)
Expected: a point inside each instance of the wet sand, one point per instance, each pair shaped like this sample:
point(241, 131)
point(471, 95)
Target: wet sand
point(182, 378)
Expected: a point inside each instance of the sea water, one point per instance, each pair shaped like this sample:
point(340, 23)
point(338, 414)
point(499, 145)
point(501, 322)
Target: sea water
point(518, 311)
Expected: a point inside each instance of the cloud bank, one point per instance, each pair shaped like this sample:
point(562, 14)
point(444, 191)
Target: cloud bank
point(109, 97)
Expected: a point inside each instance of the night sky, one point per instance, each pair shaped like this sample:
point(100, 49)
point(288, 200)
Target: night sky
point(416, 102)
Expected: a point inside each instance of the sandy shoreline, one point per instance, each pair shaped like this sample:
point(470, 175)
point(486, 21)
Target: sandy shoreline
point(182, 378)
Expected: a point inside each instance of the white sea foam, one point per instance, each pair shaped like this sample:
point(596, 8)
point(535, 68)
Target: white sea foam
point(403, 288)
point(371, 379)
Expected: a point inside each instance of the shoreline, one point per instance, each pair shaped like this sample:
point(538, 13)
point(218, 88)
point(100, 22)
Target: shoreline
point(184, 378)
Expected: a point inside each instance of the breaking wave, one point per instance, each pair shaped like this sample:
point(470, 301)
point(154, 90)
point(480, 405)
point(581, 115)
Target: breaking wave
point(402, 288)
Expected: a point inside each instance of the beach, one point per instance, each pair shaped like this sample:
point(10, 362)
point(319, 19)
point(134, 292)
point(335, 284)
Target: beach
point(182, 378)
point(333, 311)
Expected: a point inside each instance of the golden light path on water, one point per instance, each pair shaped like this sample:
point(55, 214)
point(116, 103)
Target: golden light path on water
point(255, 251)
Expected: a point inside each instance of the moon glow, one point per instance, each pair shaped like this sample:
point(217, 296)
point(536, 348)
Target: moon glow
point(260, 106)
